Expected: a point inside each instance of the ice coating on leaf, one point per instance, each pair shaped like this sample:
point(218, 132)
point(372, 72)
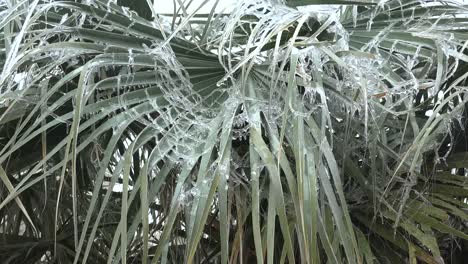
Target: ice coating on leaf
point(356, 89)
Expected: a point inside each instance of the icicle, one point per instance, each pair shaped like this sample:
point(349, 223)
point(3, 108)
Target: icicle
point(355, 13)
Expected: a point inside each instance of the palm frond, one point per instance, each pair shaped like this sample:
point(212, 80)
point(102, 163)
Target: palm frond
point(268, 134)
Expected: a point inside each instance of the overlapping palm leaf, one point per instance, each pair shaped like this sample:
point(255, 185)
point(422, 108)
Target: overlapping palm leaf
point(268, 135)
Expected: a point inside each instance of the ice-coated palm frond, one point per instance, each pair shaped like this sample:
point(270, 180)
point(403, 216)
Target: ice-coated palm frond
point(270, 134)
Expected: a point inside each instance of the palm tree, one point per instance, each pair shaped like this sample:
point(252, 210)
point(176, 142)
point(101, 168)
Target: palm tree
point(267, 135)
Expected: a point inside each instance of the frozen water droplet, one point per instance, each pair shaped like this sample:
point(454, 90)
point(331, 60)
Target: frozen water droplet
point(355, 13)
point(369, 24)
point(131, 59)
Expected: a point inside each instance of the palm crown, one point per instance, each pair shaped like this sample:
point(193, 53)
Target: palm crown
point(270, 134)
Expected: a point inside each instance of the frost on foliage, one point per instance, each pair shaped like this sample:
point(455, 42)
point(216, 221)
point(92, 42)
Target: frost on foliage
point(187, 118)
point(373, 88)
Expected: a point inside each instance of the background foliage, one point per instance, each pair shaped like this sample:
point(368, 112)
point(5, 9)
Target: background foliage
point(269, 134)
